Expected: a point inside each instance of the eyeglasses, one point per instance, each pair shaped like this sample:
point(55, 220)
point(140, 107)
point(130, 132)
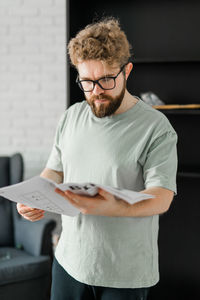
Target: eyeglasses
point(105, 83)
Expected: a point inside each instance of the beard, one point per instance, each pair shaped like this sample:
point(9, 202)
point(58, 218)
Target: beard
point(109, 107)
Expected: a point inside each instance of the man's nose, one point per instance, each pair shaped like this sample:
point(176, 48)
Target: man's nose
point(97, 90)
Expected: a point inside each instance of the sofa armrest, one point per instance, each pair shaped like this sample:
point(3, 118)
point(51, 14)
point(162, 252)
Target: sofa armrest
point(34, 237)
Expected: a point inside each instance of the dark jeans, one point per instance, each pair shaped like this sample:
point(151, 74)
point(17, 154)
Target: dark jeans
point(64, 287)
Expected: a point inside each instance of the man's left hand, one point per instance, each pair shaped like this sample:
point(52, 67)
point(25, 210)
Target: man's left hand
point(103, 204)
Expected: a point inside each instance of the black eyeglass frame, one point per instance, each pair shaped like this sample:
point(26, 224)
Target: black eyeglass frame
point(97, 81)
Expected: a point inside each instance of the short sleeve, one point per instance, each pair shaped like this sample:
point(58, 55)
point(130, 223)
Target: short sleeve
point(55, 158)
point(160, 165)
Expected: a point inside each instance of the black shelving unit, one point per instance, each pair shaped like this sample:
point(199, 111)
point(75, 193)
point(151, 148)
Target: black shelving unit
point(166, 61)
point(187, 125)
point(164, 37)
point(178, 112)
point(166, 56)
point(189, 174)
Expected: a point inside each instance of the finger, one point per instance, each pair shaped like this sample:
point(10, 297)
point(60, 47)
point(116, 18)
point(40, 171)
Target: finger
point(24, 208)
point(78, 197)
point(21, 206)
point(33, 213)
point(103, 193)
point(75, 199)
point(71, 196)
point(59, 192)
point(74, 203)
point(36, 217)
point(24, 211)
point(30, 211)
point(66, 194)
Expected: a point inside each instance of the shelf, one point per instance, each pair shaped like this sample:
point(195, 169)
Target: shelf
point(180, 111)
point(189, 174)
point(165, 61)
point(184, 109)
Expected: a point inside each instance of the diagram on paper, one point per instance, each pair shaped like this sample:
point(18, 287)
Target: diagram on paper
point(39, 192)
point(36, 197)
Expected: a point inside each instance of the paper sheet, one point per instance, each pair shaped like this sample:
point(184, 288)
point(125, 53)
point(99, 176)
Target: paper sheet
point(39, 192)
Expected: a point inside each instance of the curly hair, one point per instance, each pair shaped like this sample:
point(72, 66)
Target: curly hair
point(103, 40)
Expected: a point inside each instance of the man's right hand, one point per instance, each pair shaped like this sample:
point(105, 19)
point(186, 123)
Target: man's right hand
point(29, 213)
point(34, 214)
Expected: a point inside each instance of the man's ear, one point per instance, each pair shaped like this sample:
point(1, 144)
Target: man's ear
point(128, 69)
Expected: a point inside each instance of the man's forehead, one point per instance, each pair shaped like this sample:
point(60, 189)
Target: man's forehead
point(95, 69)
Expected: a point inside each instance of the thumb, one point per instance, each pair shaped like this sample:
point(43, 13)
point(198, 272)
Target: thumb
point(103, 193)
point(20, 205)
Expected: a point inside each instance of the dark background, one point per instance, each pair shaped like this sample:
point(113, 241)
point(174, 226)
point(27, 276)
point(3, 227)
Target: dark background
point(165, 40)
point(165, 36)
point(166, 45)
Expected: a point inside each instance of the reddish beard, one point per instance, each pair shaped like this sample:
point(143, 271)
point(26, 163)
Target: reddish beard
point(109, 107)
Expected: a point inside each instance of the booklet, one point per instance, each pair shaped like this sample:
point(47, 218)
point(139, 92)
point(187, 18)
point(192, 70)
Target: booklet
point(39, 192)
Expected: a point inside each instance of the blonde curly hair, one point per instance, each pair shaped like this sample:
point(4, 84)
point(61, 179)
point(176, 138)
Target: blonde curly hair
point(103, 40)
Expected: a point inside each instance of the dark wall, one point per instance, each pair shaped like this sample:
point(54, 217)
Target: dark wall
point(165, 40)
point(166, 45)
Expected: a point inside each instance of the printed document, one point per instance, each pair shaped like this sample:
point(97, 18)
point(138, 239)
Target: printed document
point(39, 192)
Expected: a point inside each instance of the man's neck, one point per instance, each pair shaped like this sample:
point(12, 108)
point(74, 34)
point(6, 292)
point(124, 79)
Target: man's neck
point(128, 102)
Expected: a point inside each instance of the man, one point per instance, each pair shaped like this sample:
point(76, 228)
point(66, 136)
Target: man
point(109, 251)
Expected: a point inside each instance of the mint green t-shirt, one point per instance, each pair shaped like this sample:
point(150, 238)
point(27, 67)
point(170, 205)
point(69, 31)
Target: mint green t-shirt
point(133, 150)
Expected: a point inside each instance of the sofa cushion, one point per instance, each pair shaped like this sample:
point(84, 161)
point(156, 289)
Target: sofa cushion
point(16, 265)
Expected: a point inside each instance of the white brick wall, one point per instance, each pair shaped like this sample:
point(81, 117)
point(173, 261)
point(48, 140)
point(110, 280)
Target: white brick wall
point(32, 78)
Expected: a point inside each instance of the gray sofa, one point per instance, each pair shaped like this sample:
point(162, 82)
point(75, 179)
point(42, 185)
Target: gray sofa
point(25, 247)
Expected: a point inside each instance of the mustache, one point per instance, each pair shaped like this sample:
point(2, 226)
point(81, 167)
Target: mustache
point(106, 97)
